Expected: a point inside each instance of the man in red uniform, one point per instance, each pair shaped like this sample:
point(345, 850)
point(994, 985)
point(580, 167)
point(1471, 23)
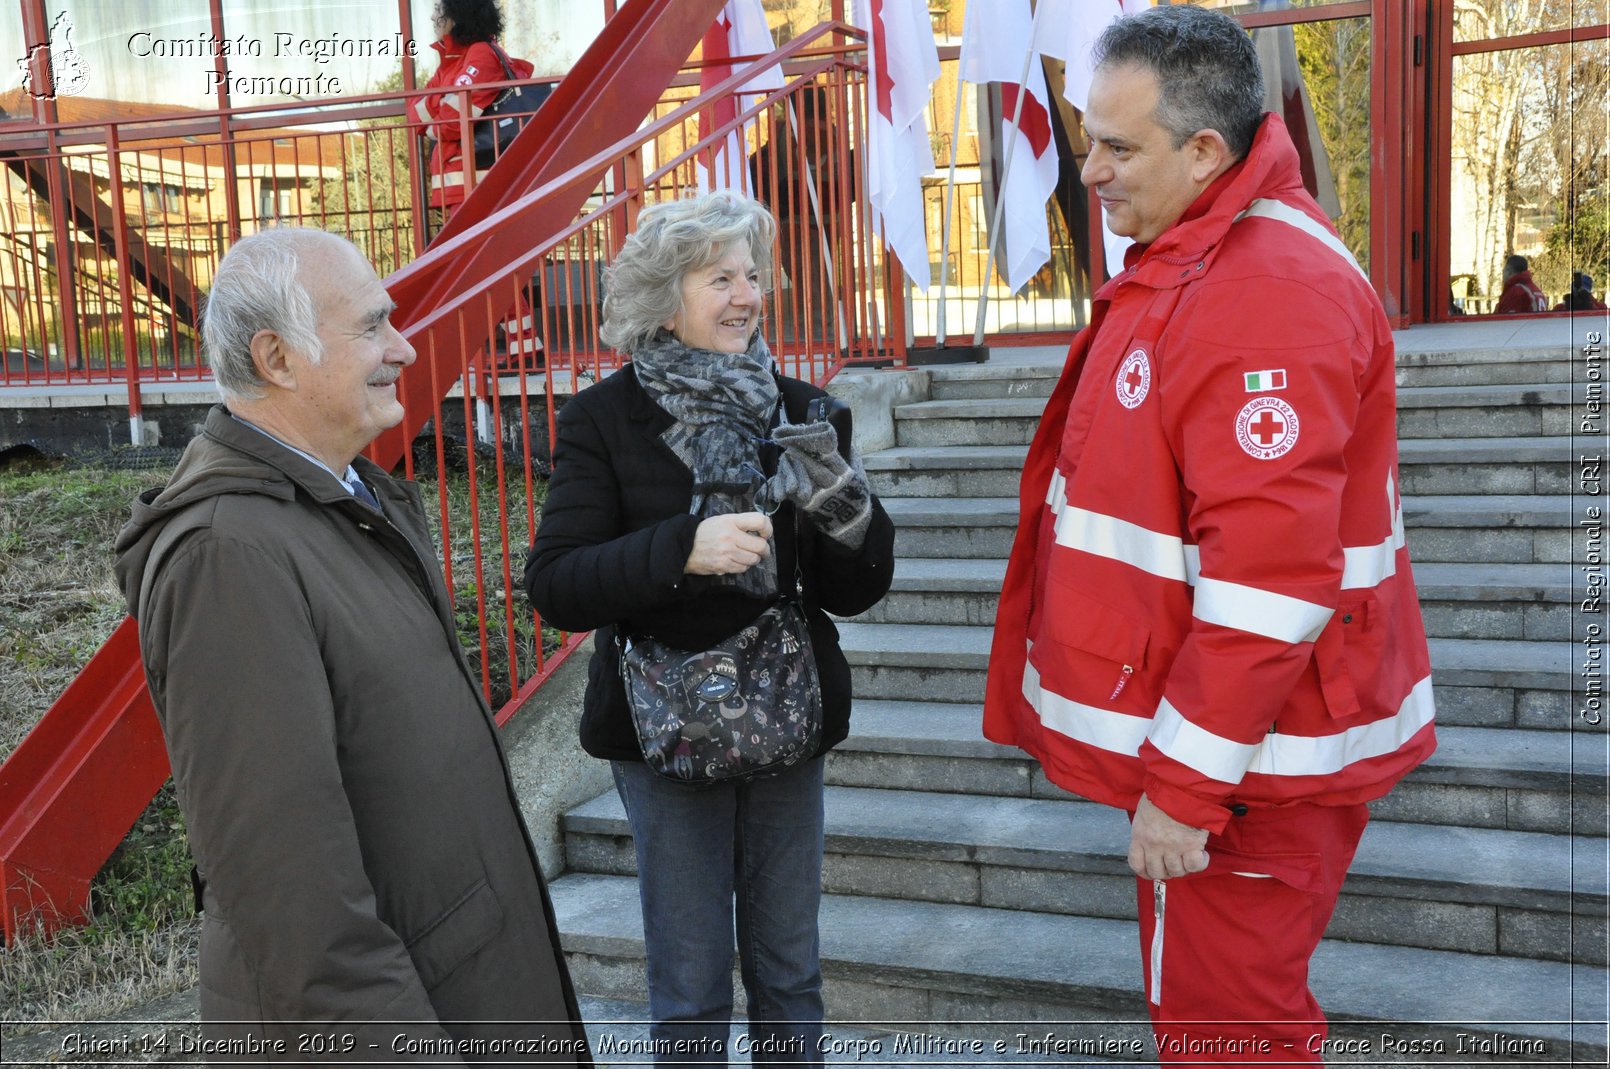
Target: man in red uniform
point(1520, 294)
point(1209, 618)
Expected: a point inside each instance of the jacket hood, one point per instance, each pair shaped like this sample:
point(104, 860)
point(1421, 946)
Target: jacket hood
point(228, 457)
point(1271, 168)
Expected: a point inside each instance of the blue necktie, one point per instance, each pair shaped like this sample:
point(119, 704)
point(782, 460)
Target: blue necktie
point(364, 494)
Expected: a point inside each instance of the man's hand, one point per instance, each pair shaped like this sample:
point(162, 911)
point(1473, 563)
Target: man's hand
point(729, 544)
point(1161, 847)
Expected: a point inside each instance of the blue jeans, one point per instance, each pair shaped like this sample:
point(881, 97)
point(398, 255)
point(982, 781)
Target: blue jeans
point(700, 850)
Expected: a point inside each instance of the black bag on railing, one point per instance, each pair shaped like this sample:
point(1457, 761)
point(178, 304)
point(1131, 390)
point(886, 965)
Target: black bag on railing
point(506, 116)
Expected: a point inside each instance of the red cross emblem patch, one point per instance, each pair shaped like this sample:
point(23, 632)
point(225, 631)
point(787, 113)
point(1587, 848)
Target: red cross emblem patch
point(1266, 427)
point(1134, 379)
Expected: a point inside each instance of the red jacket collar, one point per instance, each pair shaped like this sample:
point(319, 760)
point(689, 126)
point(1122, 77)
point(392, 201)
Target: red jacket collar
point(449, 47)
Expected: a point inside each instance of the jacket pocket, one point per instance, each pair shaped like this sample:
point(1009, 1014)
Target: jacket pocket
point(1091, 651)
point(1359, 656)
point(454, 936)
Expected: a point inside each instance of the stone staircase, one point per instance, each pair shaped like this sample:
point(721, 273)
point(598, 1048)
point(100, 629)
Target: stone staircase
point(964, 888)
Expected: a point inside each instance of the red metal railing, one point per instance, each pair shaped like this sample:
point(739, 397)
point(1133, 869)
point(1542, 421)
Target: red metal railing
point(489, 406)
point(112, 229)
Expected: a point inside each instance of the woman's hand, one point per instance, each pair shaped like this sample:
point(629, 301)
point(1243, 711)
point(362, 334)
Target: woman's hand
point(727, 545)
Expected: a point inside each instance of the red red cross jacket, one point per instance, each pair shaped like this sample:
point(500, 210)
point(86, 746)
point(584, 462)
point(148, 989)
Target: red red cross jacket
point(1209, 597)
point(461, 65)
point(1521, 296)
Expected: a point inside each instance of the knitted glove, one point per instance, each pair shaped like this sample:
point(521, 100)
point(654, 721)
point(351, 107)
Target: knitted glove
point(820, 483)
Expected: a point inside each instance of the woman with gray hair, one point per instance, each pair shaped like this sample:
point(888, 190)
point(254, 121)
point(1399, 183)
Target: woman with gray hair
point(689, 494)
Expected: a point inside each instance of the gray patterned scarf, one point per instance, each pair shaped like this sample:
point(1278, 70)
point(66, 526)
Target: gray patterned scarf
point(722, 402)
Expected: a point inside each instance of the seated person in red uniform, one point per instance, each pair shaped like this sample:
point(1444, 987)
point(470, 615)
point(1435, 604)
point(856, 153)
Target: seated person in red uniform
point(1520, 294)
point(1581, 298)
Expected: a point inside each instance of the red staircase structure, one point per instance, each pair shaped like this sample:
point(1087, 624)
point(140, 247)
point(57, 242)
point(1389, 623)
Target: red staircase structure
point(74, 787)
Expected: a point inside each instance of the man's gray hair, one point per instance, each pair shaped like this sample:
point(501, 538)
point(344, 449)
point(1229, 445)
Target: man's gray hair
point(256, 288)
point(643, 287)
point(1207, 70)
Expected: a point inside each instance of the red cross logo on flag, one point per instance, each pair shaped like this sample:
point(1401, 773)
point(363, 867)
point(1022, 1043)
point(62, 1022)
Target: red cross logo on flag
point(1134, 379)
point(1266, 428)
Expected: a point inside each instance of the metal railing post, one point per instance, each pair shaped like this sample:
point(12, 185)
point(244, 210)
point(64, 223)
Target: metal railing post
point(125, 291)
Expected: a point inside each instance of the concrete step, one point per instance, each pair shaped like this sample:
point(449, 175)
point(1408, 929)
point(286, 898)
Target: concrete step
point(1512, 365)
point(886, 959)
point(1490, 528)
point(963, 382)
point(1434, 412)
point(1479, 890)
point(968, 422)
point(1506, 683)
point(932, 590)
point(1502, 601)
point(970, 527)
point(1479, 682)
point(1503, 778)
point(947, 471)
point(1487, 465)
point(1461, 528)
point(1496, 601)
point(1501, 411)
point(1507, 466)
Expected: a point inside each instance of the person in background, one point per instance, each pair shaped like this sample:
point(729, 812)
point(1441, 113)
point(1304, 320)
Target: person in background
point(467, 33)
point(466, 44)
point(1520, 294)
point(1581, 298)
point(367, 879)
point(653, 526)
point(1209, 618)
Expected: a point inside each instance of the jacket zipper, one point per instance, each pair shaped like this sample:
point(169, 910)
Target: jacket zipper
point(1123, 681)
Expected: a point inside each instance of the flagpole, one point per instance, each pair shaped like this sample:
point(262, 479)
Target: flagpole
point(950, 200)
point(1006, 169)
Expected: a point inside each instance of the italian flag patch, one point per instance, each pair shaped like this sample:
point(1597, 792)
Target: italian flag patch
point(1258, 381)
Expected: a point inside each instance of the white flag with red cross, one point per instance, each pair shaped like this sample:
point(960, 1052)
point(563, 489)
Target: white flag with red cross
point(1068, 31)
point(740, 30)
point(996, 40)
point(903, 63)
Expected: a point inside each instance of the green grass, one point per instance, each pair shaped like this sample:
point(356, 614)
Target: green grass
point(58, 602)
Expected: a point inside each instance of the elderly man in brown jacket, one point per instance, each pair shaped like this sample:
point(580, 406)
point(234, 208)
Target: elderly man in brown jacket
point(371, 893)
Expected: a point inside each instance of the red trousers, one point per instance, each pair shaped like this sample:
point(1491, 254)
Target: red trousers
point(1227, 974)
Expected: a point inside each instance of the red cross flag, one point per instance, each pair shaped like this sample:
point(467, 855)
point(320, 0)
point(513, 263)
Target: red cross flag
point(740, 30)
point(997, 46)
point(1068, 30)
point(903, 65)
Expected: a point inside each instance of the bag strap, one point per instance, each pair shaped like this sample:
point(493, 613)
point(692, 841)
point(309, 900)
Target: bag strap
point(503, 61)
